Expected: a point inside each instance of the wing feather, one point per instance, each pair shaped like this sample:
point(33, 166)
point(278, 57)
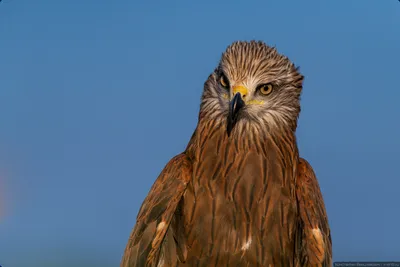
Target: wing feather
point(146, 245)
point(315, 237)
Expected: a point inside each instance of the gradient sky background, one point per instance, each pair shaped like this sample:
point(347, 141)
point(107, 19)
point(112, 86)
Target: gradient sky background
point(97, 96)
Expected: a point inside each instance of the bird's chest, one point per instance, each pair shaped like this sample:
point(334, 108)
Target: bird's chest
point(235, 201)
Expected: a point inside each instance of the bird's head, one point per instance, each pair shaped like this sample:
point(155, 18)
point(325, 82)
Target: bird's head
point(253, 84)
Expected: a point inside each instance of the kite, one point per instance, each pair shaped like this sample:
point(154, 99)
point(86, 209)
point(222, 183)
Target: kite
point(240, 194)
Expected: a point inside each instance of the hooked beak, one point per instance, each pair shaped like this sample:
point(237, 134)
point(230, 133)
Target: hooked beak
point(235, 106)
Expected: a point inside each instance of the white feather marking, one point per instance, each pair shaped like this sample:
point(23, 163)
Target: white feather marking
point(246, 245)
point(161, 262)
point(316, 232)
point(318, 235)
point(160, 226)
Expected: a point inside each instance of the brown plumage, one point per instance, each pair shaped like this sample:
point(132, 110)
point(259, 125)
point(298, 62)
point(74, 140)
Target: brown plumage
point(239, 195)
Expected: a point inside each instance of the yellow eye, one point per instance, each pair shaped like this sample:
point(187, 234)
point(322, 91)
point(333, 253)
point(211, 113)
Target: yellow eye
point(224, 81)
point(265, 89)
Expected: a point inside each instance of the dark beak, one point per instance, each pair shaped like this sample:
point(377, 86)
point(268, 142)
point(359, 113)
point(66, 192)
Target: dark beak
point(235, 106)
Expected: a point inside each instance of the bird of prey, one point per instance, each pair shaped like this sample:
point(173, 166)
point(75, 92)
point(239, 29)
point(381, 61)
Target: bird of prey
point(240, 194)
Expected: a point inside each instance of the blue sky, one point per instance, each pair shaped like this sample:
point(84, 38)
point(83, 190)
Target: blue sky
point(97, 96)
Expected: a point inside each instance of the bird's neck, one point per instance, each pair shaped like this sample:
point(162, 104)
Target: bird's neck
point(246, 137)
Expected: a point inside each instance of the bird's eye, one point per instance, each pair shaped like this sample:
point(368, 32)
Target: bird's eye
point(265, 89)
point(224, 81)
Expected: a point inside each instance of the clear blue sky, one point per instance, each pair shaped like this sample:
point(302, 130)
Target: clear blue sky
point(97, 96)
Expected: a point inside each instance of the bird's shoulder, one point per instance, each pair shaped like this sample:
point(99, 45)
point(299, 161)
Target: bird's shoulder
point(156, 213)
point(315, 242)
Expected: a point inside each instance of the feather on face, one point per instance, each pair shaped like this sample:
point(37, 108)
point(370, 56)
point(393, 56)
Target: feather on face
point(268, 83)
